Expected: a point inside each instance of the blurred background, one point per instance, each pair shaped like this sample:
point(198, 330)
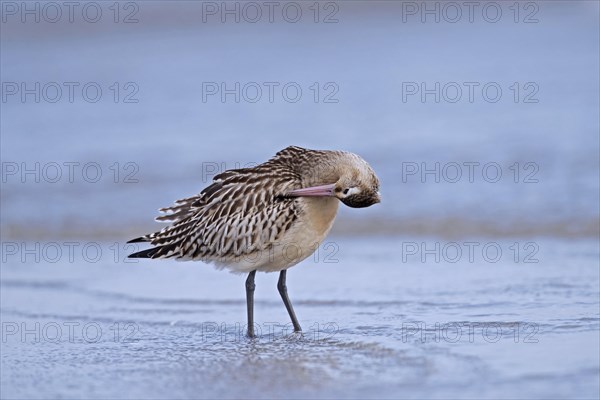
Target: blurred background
point(481, 121)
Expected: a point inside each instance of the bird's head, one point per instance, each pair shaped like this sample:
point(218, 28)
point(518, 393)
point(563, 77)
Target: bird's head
point(345, 176)
point(358, 188)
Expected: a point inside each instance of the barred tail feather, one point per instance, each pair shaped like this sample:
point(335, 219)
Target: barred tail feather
point(149, 253)
point(140, 239)
point(166, 251)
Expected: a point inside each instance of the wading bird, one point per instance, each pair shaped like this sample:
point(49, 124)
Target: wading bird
point(248, 219)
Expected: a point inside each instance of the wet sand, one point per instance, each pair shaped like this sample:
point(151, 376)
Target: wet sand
point(375, 326)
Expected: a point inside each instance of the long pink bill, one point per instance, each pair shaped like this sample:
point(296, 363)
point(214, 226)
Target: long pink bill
point(315, 191)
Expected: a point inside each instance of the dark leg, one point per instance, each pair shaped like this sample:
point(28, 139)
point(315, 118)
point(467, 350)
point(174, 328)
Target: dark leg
point(250, 302)
point(286, 300)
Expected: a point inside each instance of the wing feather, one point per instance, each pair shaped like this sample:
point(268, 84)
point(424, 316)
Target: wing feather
point(242, 211)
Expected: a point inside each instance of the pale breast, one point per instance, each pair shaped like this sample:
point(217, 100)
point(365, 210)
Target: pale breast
point(303, 239)
point(299, 242)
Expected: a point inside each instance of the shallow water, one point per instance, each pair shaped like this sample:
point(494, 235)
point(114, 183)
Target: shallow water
point(374, 326)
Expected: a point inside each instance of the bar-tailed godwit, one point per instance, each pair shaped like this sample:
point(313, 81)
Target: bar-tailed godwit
point(267, 218)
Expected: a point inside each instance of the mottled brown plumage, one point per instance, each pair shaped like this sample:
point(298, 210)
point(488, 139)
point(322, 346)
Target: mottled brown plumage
point(249, 211)
point(249, 219)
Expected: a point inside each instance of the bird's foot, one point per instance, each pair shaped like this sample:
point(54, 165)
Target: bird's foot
point(294, 336)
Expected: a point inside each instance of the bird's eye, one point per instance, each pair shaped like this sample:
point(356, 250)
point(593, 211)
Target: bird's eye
point(346, 190)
